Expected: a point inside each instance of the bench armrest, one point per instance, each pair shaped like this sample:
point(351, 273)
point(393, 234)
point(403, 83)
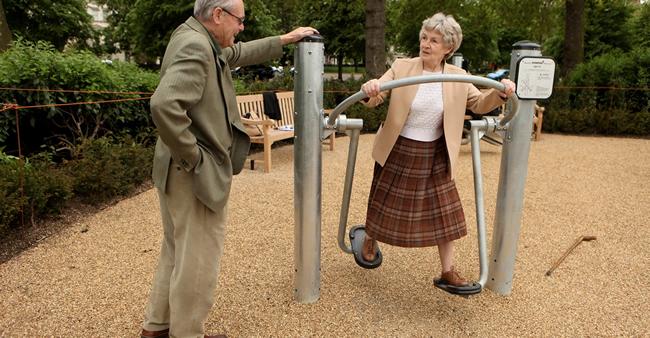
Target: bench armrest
point(257, 122)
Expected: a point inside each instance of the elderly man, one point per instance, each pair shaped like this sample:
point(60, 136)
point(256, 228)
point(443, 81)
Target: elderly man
point(202, 144)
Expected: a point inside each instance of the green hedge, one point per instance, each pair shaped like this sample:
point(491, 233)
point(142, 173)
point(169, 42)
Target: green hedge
point(103, 170)
point(46, 188)
point(608, 95)
point(33, 70)
point(107, 169)
point(109, 145)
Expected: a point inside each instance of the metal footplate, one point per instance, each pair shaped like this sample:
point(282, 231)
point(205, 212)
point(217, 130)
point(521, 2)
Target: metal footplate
point(357, 236)
point(471, 289)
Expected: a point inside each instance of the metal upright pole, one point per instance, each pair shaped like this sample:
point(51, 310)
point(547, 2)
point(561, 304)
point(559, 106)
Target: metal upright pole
point(308, 88)
point(457, 60)
point(512, 179)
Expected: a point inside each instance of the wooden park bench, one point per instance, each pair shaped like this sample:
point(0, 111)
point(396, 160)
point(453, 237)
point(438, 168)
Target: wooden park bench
point(538, 118)
point(264, 130)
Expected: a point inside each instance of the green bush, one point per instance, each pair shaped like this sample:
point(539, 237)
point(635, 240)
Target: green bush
point(66, 78)
point(11, 200)
point(103, 170)
point(608, 95)
point(46, 188)
point(106, 169)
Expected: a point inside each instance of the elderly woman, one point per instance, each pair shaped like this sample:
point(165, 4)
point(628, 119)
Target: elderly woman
point(413, 199)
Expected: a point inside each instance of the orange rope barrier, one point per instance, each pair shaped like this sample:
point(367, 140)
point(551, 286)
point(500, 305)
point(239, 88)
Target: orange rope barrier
point(8, 106)
point(73, 91)
point(612, 88)
point(557, 87)
point(288, 90)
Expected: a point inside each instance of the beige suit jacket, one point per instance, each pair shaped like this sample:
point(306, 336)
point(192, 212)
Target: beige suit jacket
point(456, 97)
point(195, 111)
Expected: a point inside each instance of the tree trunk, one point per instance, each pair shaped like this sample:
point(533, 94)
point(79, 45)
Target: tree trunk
point(574, 35)
point(5, 33)
point(339, 62)
point(375, 38)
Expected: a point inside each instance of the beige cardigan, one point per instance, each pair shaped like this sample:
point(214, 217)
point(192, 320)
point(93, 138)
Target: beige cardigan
point(456, 97)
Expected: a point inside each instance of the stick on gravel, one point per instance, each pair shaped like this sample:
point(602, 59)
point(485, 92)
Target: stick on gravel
point(575, 244)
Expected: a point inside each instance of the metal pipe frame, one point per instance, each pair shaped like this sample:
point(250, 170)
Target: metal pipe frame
point(347, 189)
point(512, 180)
point(311, 127)
point(477, 126)
point(308, 86)
point(492, 124)
point(477, 80)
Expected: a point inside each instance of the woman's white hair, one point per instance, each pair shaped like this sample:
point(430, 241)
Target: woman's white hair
point(203, 8)
point(447, 26)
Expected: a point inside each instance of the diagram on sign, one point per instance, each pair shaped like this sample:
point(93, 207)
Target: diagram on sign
point(535, 78)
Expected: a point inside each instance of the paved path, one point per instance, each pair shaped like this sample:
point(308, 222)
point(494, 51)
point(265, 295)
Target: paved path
point(94, 283)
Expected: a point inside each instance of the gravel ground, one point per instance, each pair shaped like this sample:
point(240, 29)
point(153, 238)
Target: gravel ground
point(92, 279)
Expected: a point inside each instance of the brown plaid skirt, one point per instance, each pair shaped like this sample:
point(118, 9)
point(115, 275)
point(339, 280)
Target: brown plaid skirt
point(413, 201)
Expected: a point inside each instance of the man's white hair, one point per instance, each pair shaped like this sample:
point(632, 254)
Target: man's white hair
point(203, 8)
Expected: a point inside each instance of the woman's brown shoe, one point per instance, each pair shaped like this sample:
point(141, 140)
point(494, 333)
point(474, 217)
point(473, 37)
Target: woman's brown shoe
point(369, 249)
point(453, 278)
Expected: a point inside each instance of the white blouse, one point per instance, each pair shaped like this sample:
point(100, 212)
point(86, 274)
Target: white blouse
point(424, 122)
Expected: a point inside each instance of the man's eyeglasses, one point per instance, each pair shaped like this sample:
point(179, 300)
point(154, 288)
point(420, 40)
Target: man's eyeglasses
point(241, 20)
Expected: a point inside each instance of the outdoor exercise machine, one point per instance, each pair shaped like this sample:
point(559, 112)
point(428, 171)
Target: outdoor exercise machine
point(489, 137)
point(534, 79)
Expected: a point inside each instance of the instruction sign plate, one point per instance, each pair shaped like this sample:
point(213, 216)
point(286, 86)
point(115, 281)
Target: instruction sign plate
point(534, 77)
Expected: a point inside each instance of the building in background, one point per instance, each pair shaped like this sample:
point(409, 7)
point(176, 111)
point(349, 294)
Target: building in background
point(99, 13)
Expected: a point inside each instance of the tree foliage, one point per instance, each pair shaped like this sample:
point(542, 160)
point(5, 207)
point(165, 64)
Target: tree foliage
point(475, 18)
point(607, 27)
point(60, 23)
point(640, 30)
point(341, 23)
point(143, 28)
point(116, 35)
point(489, 29)
point(286, 11)
point(535, 20)
point(260, 21)
point(151, 23)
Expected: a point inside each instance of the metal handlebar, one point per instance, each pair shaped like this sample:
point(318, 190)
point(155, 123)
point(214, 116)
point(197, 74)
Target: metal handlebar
point(477, 80)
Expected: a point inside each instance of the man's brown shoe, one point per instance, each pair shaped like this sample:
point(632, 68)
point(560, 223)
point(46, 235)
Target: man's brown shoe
point(154, 334)
point(217, 336)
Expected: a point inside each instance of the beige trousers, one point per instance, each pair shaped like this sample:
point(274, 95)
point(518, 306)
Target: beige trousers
point(186, 277)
